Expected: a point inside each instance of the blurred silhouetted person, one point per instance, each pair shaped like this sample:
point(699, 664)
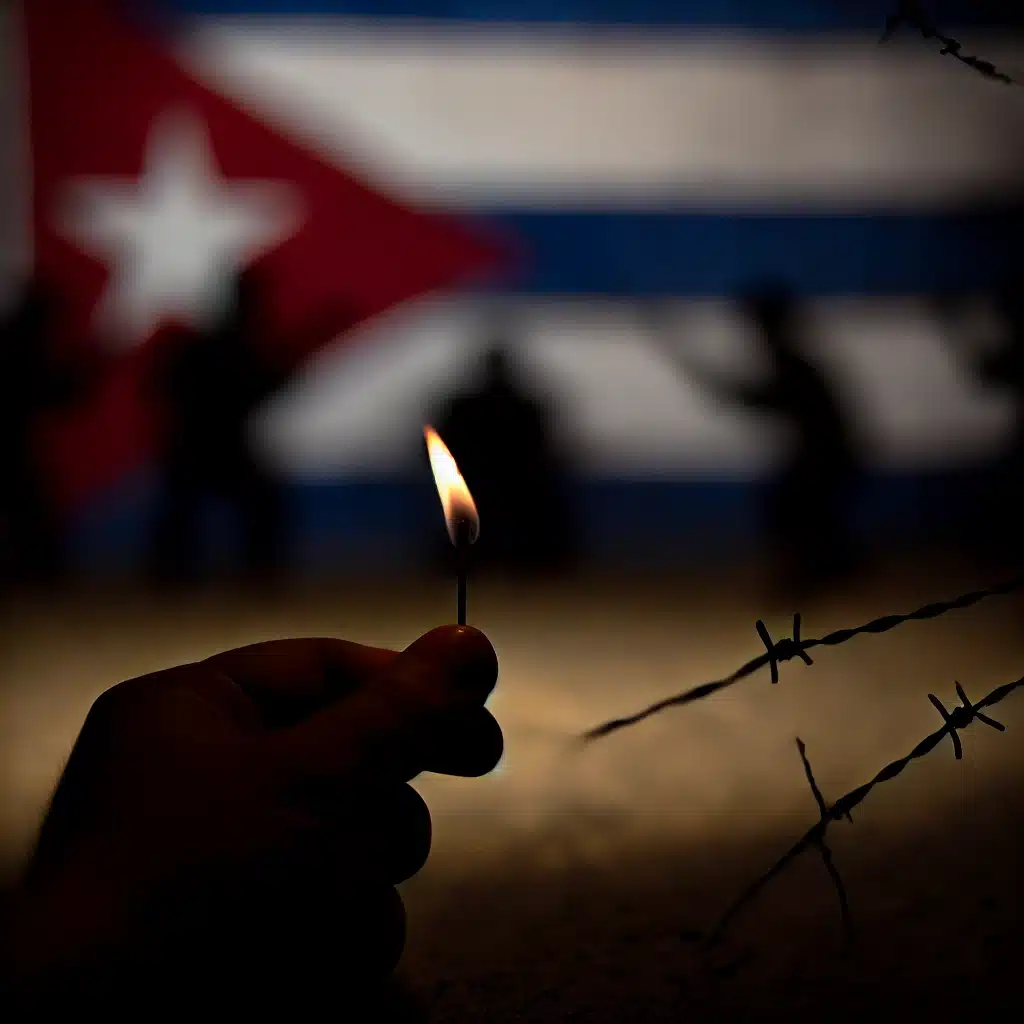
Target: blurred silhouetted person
point(34, 382)
point(504, 441)
point(808, 503)
point(208, 386)
point(995, 521)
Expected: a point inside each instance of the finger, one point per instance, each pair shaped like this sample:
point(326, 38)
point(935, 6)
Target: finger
point(379, 730)
point(399, 829)
point(469, 744)
point(296, 931)
point(324, 926)
point(290, 679)
point(377, 921)
point(382, 835)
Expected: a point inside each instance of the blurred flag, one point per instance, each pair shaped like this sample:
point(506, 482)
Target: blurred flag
point(150, 190)
point(652, 147)
point(655, 149)
point(634, 150)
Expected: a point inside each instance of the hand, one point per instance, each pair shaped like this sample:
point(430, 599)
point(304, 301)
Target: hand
point(244, 819)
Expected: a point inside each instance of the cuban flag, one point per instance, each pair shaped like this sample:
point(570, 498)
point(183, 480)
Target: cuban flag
point(624, 151)
point(149, 191)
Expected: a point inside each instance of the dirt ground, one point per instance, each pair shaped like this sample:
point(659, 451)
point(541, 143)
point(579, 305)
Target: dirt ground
point(563, 885)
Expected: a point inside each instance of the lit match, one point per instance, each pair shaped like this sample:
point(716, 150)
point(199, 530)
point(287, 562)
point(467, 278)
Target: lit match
point(460, 513)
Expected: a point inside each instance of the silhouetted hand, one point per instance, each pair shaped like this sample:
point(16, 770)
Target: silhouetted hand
point(236, 826)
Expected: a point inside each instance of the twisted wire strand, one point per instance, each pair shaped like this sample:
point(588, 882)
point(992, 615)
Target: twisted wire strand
point(794, 647)
point(953, 721)
point(912, 14)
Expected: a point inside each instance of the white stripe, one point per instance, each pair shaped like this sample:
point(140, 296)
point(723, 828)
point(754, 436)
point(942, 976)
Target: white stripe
point(489, 116)
point(361, 409)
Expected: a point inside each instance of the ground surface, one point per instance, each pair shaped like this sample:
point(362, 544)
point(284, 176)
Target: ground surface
point(558, 886)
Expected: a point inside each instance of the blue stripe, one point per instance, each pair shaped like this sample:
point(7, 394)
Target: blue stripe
point(382, 523)
point(687, 254)
point(752, 15)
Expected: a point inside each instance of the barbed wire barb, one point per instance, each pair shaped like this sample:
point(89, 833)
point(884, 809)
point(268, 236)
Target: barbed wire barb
point(785, 649)
point(794, 647)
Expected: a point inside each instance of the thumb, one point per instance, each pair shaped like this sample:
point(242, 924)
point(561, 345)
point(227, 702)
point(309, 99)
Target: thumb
point(379, 730)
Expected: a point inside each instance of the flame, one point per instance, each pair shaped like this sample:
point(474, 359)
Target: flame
point(459, 508)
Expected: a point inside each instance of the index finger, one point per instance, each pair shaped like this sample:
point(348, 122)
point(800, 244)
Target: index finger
point(384, 727)
point(293, 677)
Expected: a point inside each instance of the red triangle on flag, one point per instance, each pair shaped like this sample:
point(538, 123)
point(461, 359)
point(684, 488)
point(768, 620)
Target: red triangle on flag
point(101, 92)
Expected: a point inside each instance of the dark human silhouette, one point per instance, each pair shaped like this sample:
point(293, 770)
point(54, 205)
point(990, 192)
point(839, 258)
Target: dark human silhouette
point(35, 382)
point(993, 523)
point(505, 444)
point(808, 500)
point(228, 834)
point(207, 387)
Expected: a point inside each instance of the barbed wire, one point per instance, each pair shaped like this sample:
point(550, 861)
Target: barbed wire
point(953, 721)
point(824, 849)
point(795, 647)
point(912, 14)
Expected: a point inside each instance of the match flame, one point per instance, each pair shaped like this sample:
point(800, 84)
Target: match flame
point(460, 513)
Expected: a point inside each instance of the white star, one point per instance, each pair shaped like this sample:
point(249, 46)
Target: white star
point(175, 238)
